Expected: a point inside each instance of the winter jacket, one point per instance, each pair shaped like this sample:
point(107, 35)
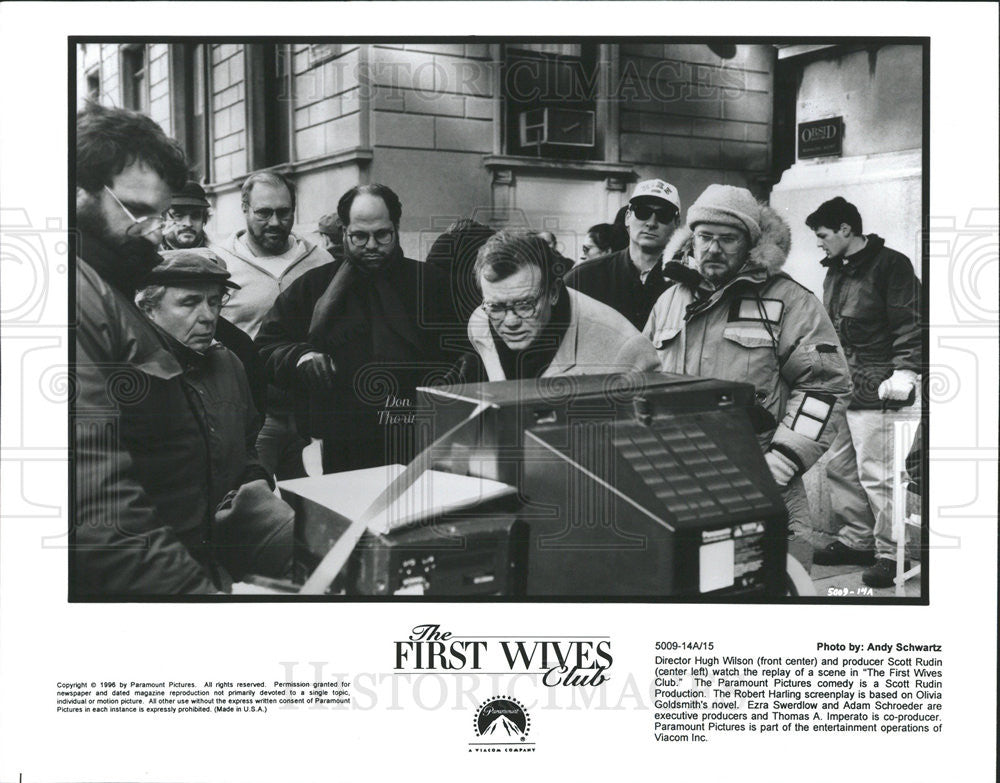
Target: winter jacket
point(161, 434)
point(597, 340)
point(614, 280)
point(761, 328)
point(873, 299)
point(259, 288)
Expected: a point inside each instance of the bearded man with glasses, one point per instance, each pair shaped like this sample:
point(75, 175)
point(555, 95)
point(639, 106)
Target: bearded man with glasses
point(530, 325)
point(734, 315)
point(265, 258)
point(186, 219)
point(355, 338)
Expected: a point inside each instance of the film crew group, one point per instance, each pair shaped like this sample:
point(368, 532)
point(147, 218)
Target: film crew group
point(175, 474)
point(169, 495)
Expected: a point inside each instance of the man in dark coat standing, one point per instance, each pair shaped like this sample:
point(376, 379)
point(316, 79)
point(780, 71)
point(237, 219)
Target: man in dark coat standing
point(353, 339)
point(873, 298)
point(631, 280)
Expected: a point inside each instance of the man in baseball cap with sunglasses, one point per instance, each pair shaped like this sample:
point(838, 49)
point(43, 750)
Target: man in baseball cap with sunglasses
point(631, 280)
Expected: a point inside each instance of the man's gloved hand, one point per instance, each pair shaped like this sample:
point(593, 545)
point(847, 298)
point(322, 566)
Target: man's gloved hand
point(253, 532)
point(898, 386)
point(782, 468)
point(251, 496)
point(317, 370)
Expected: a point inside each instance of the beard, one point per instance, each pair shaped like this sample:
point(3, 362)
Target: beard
point(139, 255)
point(273, 240)
point(371, 262)
point(182, 240)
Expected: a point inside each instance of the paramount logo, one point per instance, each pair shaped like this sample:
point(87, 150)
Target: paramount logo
point(502, 727)
point(501, 721)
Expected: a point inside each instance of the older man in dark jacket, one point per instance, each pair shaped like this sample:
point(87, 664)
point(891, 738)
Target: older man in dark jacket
point(201, 469)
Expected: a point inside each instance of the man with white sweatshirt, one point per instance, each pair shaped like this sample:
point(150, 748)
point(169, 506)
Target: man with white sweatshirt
point(264, 259)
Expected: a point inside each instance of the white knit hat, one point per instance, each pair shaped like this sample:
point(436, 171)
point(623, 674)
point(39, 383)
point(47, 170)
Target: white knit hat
point(728, 206)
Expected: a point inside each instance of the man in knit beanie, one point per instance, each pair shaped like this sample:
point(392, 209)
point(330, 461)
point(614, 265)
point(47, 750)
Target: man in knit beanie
point(734, 315)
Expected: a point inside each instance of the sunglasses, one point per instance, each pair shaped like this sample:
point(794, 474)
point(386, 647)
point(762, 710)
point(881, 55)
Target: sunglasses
point(644, 212)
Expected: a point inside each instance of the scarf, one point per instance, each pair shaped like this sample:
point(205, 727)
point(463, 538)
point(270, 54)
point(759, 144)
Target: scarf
point(358, 301)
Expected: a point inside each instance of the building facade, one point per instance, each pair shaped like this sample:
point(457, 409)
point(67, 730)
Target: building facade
point(551, 136)
point(876, 92)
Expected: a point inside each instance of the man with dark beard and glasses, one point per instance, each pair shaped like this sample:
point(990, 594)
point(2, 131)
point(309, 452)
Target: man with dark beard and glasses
point(356, 337)
point(126, 169)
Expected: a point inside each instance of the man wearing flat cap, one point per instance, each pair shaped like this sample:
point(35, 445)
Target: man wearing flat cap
point(191, 435)
point(331, 234)
point(186, 219)
point(631, 280)
point(734, 315)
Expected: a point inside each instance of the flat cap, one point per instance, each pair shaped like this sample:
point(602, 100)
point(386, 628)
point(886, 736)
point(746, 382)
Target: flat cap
point(330, 225)
point(187, 266)
point(191, 195)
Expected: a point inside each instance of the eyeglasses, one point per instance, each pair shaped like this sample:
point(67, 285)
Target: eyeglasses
point(283, 213)
point(522, 308)
point(644, 212)
point(140, 227)
point(360, 238)
point(728, 242)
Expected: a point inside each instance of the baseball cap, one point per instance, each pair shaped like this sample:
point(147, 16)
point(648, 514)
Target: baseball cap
point(187, 266)
point(657, 188)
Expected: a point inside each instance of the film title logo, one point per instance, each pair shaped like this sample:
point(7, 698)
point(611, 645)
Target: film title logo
point(569, 662)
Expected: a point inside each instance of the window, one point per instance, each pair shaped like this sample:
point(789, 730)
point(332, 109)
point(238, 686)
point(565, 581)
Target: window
point(135, 87)
point(94, 84)
point(551, 100)
point(270, 105)
point(189, 83)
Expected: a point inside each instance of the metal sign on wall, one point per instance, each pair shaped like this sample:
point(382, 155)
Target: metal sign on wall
point(820, 138)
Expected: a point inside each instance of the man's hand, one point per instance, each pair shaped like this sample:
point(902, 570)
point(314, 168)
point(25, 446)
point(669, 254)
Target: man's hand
point(782, 468)
point(317, 370)
point(898, 386)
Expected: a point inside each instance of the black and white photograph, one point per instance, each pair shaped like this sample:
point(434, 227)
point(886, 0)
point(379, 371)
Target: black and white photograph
point(496, 390)
point(513, 319)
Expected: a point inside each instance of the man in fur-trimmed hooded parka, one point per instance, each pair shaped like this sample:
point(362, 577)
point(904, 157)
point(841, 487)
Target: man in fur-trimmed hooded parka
point(733, 315)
